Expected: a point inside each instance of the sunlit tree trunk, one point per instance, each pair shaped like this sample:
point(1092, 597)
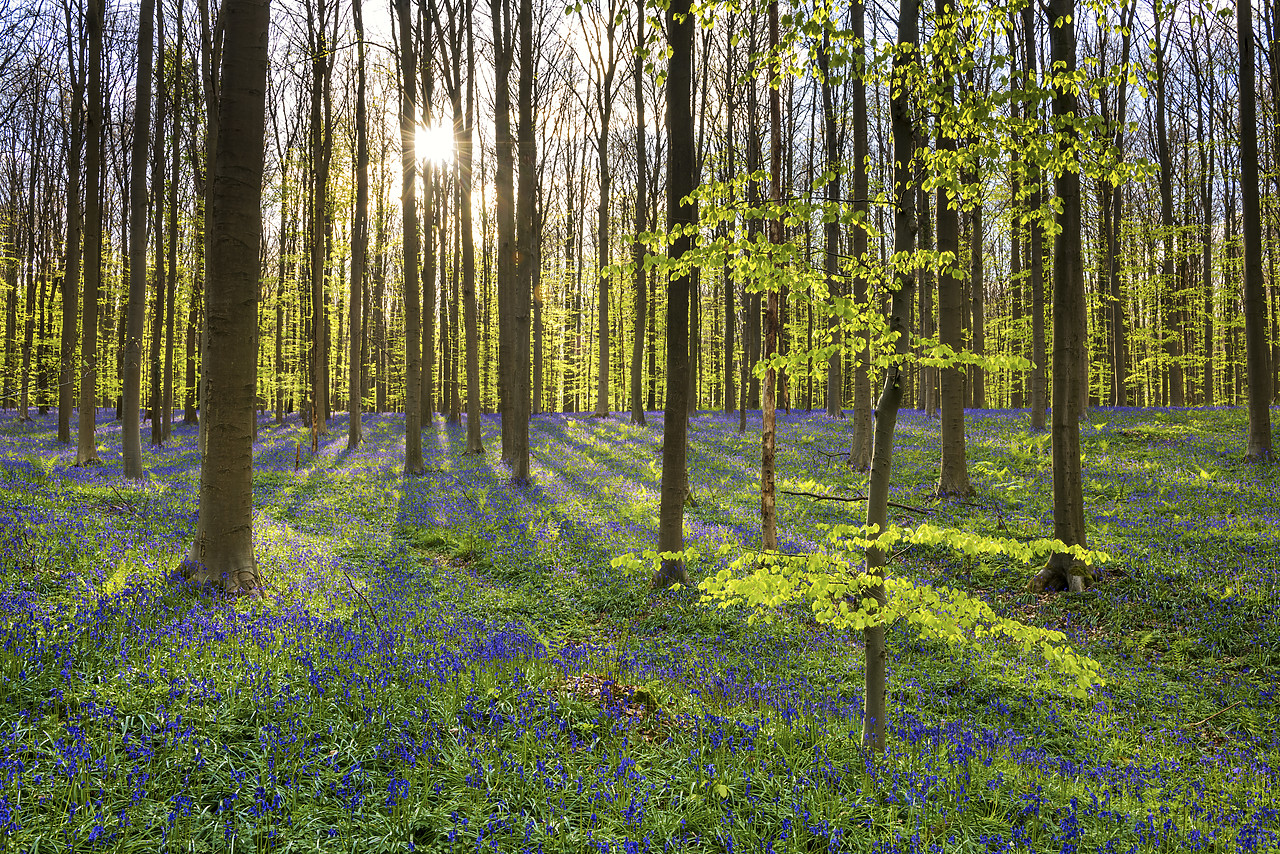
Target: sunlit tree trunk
point(359, 240)
point(321, 141)
point(158, 197)
point(1036, 281)
point(637, 247)
point(831, 228)
point(175, 132)
point(768, 515)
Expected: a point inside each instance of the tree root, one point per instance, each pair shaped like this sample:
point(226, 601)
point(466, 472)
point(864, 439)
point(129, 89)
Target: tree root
point(1063, 572)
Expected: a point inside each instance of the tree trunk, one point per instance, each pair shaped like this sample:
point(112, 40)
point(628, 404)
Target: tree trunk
point(863, 424)
point(680, 183)
point(71, 274)
point(463, 129)
point(1168, 278)
point(321, 218)
point(831, 228)
point(637, 248)
point(413, 464)
point(505, 214)
point(175, 131)
point(223, 548)
point(927, 394)
point(87, 450)
point(359, 241)
point(603, 178)
point(1036, 283)
point(875, 712)
point(1257, 357)
point(977, 288)
point(954, 476)
point(768, 516)
point(158, 198)
point(1069, 353)
point(526, 252)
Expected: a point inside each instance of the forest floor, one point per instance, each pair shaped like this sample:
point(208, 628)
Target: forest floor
point(447, 663)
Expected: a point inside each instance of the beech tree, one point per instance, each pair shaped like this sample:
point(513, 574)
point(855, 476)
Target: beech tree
point(1070, 362)
point(137, 308)
point(359, 240)
point(682, 216)
point(413, 463)
point(87, 450)
point(1255, 304)
point(222, 551)
point(954, 477)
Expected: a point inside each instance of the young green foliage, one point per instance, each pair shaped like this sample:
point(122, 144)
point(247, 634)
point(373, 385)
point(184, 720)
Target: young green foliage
point(832, 581)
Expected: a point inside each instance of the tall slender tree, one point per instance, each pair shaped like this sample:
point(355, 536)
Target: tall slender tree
point(954, 476)
point(637, 247)
point(67, 379)
point(223, 549)
point(681, 216)
point(159, 304)
point(863, 423)
point(1070, 357)
point(1036, 280)
point(1257, 358)
point(87, 450)
point(902, 289)
point(413, 463)
point(526, 252)
point(359, 240)
point(768, 512)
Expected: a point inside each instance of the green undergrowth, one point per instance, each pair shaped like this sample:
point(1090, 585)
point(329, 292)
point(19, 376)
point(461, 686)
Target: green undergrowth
point(451, 664)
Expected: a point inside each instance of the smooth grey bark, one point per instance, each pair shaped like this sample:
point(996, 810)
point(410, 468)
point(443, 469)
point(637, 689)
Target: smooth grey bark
point(1036, 281)
point(223, 548)
point(680, 183)
point(321, 143)
point(875, 711)
point(505, 217)
point(831, 228)
point(863, 421)
point(768, 431)
point(1257, 356)
point(77, 39)
point(526, 252)
point(637, 248)
point(954, 473)
point(1070, 357)
point(359, 241)
point(413, 463)
point(1169, 285)
point(159, 303)
point(87, 449)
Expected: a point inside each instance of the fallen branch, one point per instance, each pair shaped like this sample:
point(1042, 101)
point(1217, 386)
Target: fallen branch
point(1215, 714)
point(823, 497)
